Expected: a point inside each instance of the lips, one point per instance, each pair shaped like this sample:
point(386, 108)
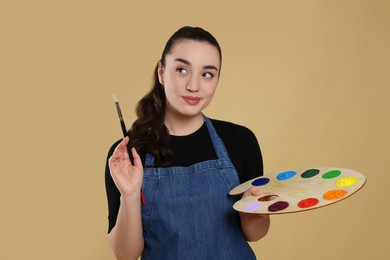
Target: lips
point(191, 100)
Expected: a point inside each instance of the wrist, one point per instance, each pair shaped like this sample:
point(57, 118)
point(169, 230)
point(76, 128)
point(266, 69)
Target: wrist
point(130, 197)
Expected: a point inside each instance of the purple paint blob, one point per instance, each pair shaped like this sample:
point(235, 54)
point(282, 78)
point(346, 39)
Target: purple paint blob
point(278, 206)
point(260, 182)
point(286, 175)
point(252, 207)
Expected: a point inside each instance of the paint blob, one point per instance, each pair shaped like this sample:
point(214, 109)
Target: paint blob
point(260, 182)
point(310, 173)
point(307, 203)
point(347, 181)
point(334, 194)
point(286, 175)
point(252, 207)
point(331, 174)
point(278, 206)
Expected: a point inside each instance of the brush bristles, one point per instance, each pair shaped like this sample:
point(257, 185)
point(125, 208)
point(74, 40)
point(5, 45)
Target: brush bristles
point(115, 99)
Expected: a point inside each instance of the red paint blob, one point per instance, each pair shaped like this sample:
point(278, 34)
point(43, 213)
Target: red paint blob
point(307, 203)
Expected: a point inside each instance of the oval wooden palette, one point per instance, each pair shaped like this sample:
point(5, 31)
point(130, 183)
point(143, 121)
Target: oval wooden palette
point(296, 191)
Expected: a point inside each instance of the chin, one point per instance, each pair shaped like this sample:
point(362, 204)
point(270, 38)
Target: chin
point(187, 111)
point(191, 114)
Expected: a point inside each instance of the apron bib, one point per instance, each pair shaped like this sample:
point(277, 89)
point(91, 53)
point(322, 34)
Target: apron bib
point(188, 212)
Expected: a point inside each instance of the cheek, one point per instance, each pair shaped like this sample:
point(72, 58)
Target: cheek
point(173, 87)
point(211, 88)
point(174, 82)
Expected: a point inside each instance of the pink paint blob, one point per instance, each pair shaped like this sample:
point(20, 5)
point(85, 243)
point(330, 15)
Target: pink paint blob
point(252, 207)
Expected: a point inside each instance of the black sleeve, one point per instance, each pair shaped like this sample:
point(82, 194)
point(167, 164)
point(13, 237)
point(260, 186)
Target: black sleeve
point(113, 194)
point(252, 161)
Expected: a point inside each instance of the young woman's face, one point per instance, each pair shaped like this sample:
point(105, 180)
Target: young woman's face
point(190, 77)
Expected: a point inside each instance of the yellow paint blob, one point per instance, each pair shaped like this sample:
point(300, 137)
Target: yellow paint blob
point(347, 181)
point(334, 194)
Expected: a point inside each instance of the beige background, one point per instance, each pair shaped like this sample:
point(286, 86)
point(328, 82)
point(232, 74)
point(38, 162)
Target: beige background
point(310, 78)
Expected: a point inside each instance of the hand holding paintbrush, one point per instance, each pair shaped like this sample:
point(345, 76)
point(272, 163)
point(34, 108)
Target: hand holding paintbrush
point(127, 176)
point(125, 165)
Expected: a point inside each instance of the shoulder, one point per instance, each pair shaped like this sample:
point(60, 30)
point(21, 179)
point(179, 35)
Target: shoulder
point(228, 130)
point(242, 147)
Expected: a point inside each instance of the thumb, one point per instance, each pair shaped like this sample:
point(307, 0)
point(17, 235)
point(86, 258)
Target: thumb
point(136, 157)
point(252, 192)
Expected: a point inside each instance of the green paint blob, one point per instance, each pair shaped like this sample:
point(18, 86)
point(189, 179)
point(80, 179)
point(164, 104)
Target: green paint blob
point(310, 173)
point(331, 174)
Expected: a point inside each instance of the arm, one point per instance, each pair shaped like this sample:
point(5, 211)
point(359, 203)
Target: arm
point(254, 226)
point(126, 239)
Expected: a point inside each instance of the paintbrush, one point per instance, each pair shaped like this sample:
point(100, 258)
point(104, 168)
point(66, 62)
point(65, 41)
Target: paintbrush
point(118, 109)
point(124, 131)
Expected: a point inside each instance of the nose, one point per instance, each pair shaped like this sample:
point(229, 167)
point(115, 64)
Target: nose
point(192, 84)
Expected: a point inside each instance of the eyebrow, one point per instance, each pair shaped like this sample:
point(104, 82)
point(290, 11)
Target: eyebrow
point(190, 64)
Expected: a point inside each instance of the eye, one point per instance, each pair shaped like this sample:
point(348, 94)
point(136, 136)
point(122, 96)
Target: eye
point(208, 75)
point(181, 70)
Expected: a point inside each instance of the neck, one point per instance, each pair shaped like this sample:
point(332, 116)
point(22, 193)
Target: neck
point(180, 125)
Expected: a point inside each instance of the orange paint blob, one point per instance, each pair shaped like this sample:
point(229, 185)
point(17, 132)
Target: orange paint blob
point(334, 194)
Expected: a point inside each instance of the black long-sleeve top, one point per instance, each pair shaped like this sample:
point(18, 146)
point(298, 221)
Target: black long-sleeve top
point(240, 142)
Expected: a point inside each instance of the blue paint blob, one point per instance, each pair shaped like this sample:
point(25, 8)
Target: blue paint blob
point(286, 175)
point(260, 182)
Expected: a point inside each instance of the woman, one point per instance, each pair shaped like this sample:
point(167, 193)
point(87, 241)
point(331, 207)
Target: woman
point(185, 164)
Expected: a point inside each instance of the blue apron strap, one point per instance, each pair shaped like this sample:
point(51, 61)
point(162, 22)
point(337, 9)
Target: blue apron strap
point(218, 144)
point(149, 160)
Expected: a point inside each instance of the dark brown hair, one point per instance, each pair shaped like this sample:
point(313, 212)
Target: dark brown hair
point(148, 133)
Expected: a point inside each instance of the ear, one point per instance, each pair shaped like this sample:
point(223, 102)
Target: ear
point(160, 73)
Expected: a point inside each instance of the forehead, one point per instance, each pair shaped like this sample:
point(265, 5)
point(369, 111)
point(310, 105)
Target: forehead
point(198, 53)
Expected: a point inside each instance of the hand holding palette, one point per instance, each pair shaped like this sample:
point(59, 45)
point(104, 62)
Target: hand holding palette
point(295, 191)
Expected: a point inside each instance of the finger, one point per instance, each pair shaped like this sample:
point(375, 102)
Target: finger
point(120, 150)
point(125, 140)
point(136, 157)
point(253, 191)
point(123, 143)
point(125, 154)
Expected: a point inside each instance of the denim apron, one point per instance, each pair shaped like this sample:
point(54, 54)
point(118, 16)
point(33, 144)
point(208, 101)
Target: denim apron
point(188, 212)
